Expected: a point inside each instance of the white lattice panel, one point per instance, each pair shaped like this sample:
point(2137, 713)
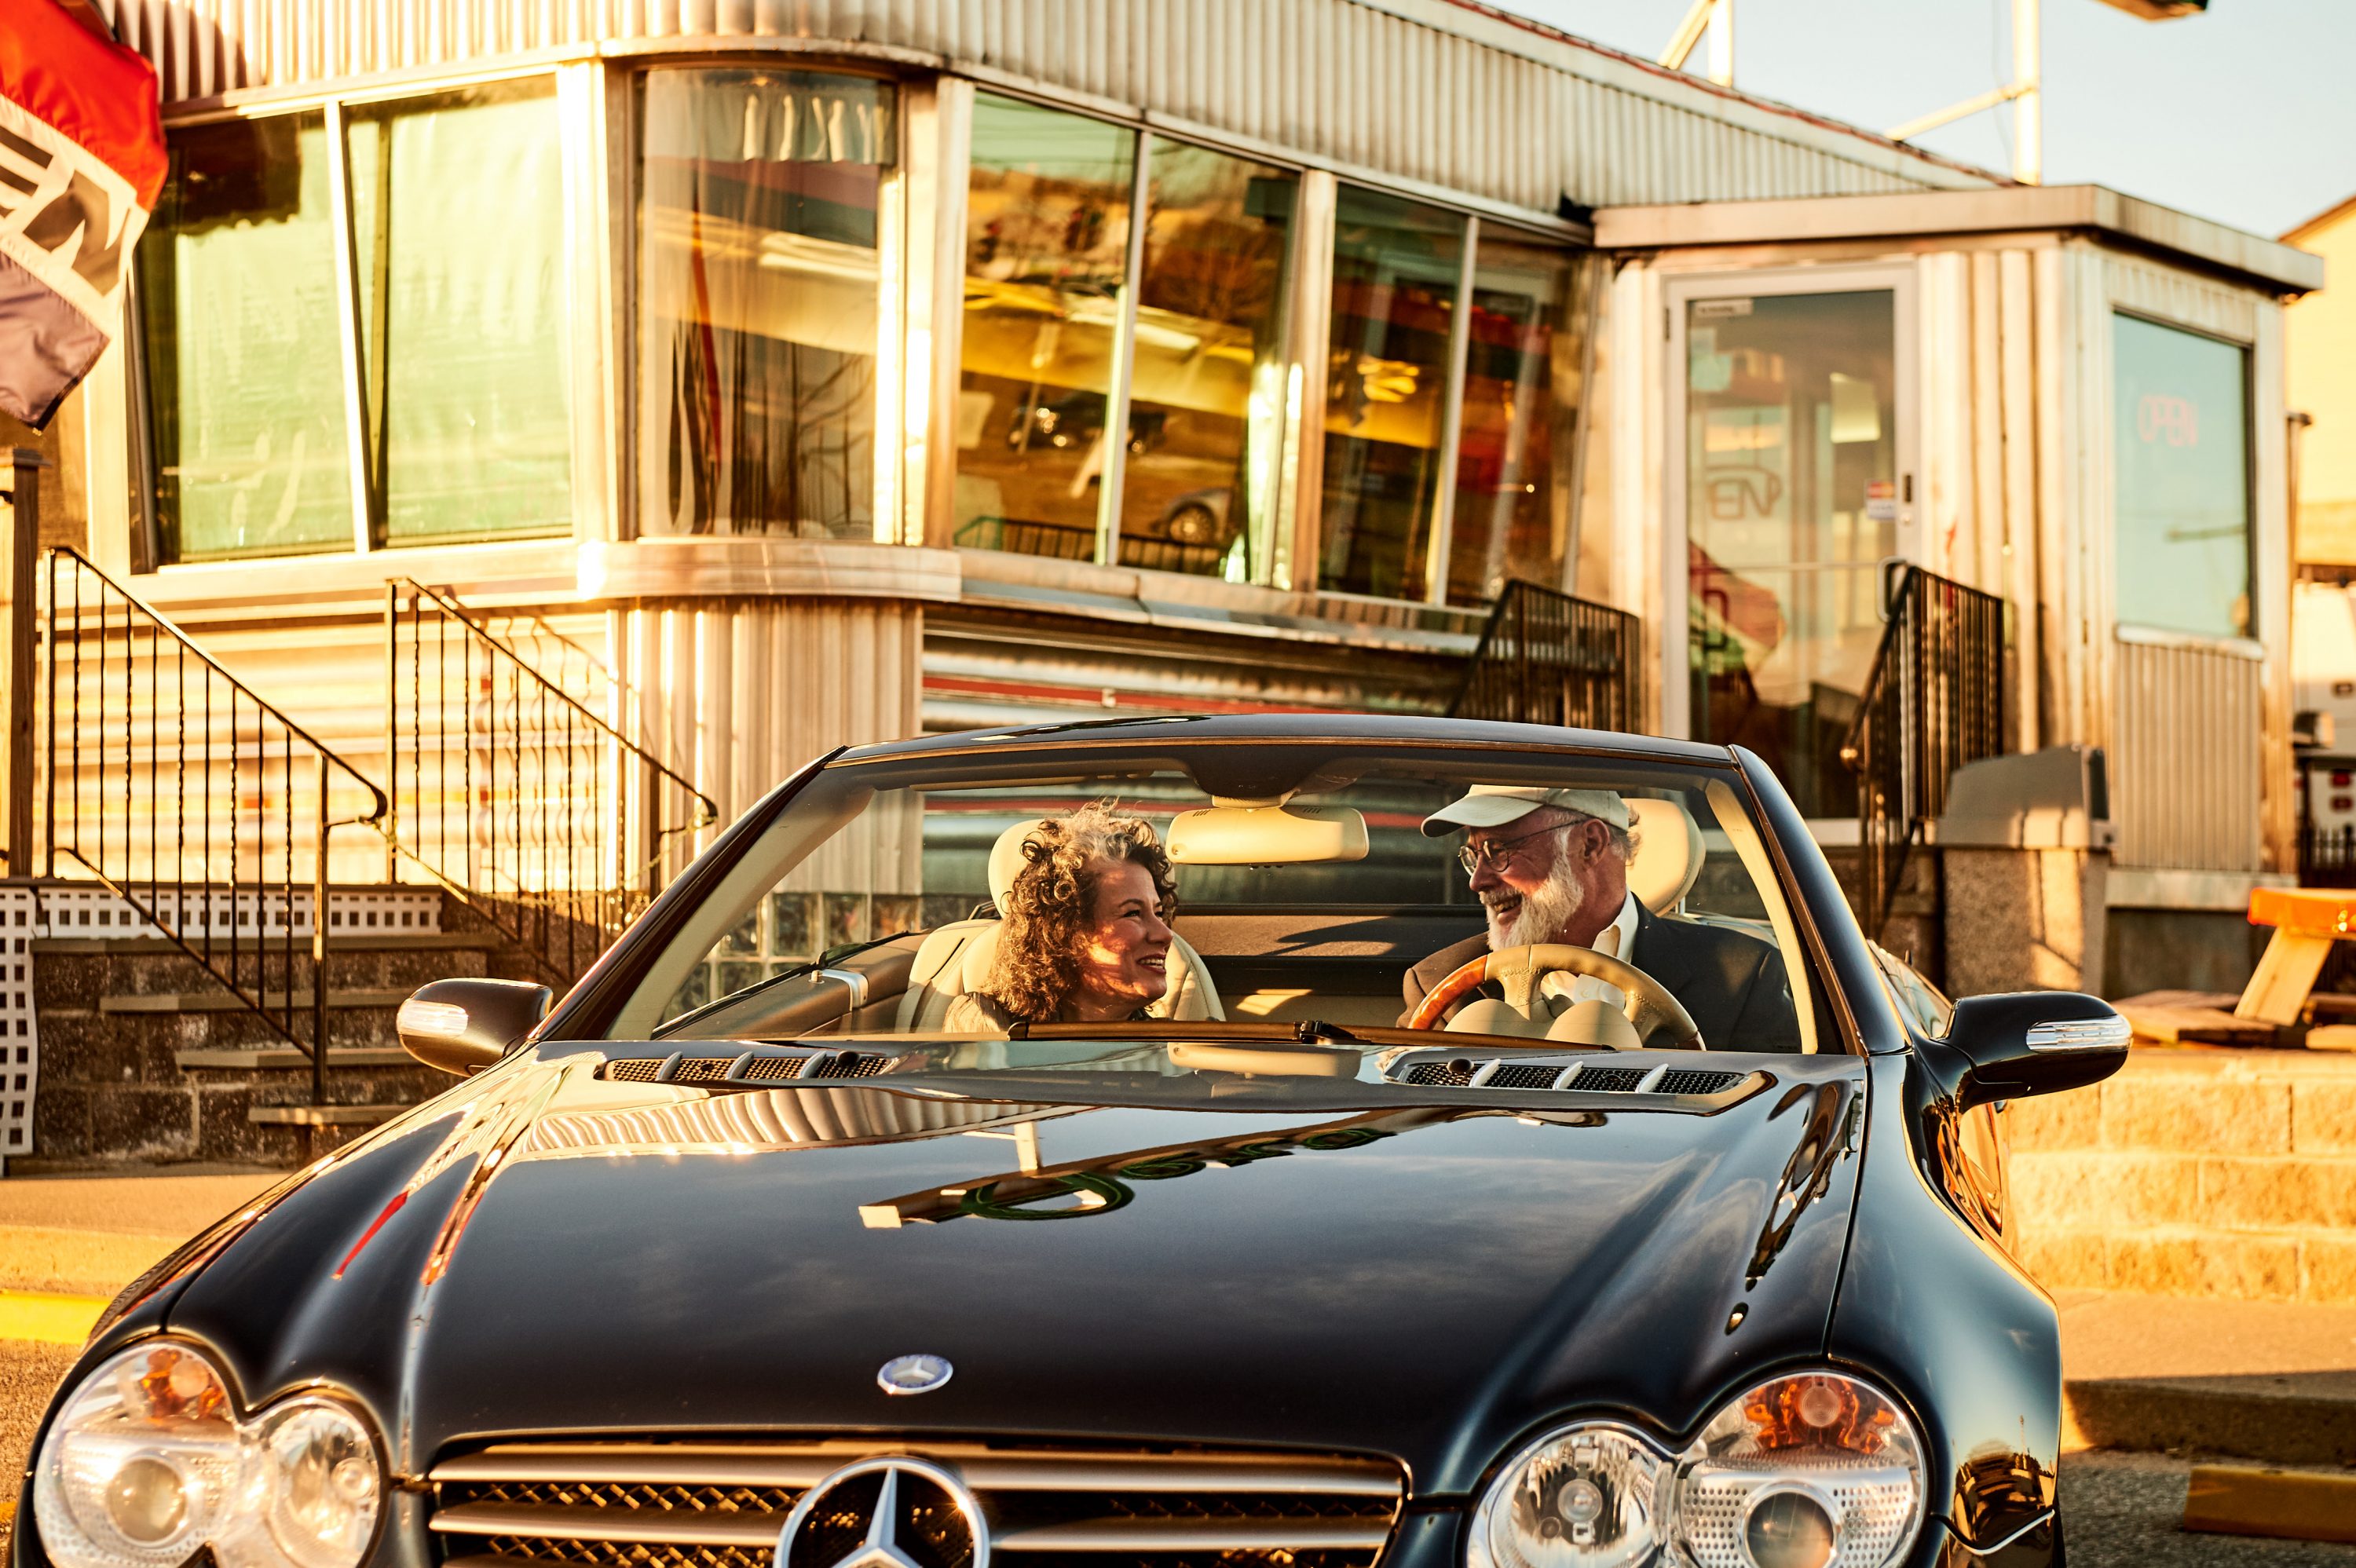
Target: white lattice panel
point(20, 1039)
point(197, 912)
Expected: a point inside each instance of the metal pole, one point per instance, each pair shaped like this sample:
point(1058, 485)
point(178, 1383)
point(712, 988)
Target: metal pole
point(392, 733)
point(319, 949)
point(2028, 108)
point(22, 542)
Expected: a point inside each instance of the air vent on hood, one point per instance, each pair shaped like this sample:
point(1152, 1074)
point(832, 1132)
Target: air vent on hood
point(711, 1505)
point(1586, 1074)
point(769, 1065)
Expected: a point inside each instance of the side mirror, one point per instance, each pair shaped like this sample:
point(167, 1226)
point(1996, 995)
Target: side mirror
point(2035, 1043)
point(465, 1025)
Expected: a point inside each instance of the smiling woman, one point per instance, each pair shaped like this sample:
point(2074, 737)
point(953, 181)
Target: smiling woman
point(1085, 938)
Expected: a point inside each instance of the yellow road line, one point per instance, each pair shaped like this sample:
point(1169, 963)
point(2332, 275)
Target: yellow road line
point(2293, 1504)
point(51, 1319)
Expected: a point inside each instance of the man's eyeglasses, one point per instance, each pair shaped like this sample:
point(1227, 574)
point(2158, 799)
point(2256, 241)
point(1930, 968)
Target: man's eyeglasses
point(1496, 852)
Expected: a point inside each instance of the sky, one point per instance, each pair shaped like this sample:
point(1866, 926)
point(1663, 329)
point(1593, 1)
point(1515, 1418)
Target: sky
point(2246, 114)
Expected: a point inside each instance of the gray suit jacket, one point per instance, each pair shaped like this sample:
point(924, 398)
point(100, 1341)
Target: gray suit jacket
point(1732, 984)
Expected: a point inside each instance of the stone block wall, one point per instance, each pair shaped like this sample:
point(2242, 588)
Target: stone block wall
point(2193, 1172)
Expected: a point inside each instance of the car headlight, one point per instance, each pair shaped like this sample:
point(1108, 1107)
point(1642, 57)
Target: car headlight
point(1809, 1470)
point(150, 1459)
point(1812, 1470)
point(1584, 1497)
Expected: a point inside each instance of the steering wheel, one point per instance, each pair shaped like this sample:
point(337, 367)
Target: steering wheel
point(1649, 1005)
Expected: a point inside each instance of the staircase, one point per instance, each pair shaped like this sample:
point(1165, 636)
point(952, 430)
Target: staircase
point(189, 830)
point(1934, 700)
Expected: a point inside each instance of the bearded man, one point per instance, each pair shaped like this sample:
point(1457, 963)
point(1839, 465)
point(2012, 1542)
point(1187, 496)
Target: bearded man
point(1552, 866)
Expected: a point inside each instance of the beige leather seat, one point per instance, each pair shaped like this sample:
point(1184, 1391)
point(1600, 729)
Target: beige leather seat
point(1668, 854)
point(956, 957)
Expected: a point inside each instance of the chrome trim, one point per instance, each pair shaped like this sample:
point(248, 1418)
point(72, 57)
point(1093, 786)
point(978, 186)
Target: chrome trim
point(852, 978)
point(2041, 1521)
point(2081, 1034)
point(1077, 1522)
point(1200, 1535)
point(558, 1522)
point(804, 1465)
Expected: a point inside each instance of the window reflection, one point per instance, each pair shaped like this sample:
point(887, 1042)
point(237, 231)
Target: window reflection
point(1205, 389)
point(1792, 501)
point(2180, 436)
point(1395, 265)
point(758, 281)
point(466, 372)
point(245, 375)
point(1522, 387)
point(1047, 218)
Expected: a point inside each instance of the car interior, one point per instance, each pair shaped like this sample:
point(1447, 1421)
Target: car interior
point(1337, 963)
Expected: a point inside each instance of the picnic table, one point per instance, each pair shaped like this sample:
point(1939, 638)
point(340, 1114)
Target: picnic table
point(2305, 922)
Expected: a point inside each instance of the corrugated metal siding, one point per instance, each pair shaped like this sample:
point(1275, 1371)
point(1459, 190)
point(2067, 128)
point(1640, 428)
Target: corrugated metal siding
point(980, 672)
point(1336, 79)
point(2186, 786)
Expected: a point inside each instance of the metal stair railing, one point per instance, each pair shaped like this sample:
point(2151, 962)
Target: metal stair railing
point(1933, 701)
point(1548, 657)
point(515, 794)
point(183, 792)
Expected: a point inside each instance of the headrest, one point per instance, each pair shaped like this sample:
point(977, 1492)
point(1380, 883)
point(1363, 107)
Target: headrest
point(1668, 854)
point(1006, 860)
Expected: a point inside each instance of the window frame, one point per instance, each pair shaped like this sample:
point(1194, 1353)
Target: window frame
point(574, 84)
point(2123, 625)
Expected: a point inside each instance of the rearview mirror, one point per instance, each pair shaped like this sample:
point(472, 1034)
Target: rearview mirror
point(2036, 1042)
point(465, 1025)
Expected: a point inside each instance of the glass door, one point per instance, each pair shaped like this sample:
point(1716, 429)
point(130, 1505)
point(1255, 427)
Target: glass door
point(1795, 486)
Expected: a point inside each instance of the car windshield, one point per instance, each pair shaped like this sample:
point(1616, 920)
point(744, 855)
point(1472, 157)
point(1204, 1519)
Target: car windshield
point(1344, 889)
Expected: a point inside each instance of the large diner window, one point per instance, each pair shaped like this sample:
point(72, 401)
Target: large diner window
point(759, 196)
point(463, 341)
point(244, 377)
point(404, 351)
point(1522, 374)
point(1453, 376)
point(2181, 449)
point(1397, 265)
point(1082, 315)
point(1046, 247)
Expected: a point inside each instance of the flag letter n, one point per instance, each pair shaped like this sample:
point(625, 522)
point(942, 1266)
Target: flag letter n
point(81, 209)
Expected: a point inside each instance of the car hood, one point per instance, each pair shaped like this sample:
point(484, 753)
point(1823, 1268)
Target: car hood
point(542, 1251)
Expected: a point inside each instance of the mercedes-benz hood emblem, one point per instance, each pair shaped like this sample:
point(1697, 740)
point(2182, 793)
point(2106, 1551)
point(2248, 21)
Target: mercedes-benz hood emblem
point(914, 1374)
point(887, 1512)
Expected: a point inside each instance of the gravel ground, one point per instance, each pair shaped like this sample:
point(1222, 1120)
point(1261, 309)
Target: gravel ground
point(28, 1375)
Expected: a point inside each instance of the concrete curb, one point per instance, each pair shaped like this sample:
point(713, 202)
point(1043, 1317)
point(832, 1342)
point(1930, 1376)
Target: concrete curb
point(77, 1263)
point(49, 1319)
point(2209, 1415)
point(2287, 1504)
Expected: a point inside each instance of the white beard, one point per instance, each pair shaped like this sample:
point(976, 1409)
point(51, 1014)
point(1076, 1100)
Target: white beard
point(1544, 909)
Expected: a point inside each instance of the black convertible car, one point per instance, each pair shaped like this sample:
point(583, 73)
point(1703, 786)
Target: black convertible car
point(1395, 1213)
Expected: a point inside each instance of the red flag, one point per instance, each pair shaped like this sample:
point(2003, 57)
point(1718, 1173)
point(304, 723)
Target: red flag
point(81, 162)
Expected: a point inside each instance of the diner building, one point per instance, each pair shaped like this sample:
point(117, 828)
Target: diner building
point(797, 373)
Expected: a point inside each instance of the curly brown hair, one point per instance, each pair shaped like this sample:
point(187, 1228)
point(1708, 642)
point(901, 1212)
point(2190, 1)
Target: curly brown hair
point(1037, 966)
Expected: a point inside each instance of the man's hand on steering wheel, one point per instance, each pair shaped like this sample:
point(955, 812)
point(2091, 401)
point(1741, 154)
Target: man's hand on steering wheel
point(1649, 1005)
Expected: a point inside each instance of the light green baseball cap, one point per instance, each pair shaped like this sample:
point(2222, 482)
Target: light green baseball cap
point(1494, 805)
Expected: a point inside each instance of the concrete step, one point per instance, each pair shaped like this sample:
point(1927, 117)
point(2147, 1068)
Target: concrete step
point(283, 1058)
point(2274, 1383)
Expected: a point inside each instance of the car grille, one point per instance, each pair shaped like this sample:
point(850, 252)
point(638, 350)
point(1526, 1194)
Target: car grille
point(678, 1505)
